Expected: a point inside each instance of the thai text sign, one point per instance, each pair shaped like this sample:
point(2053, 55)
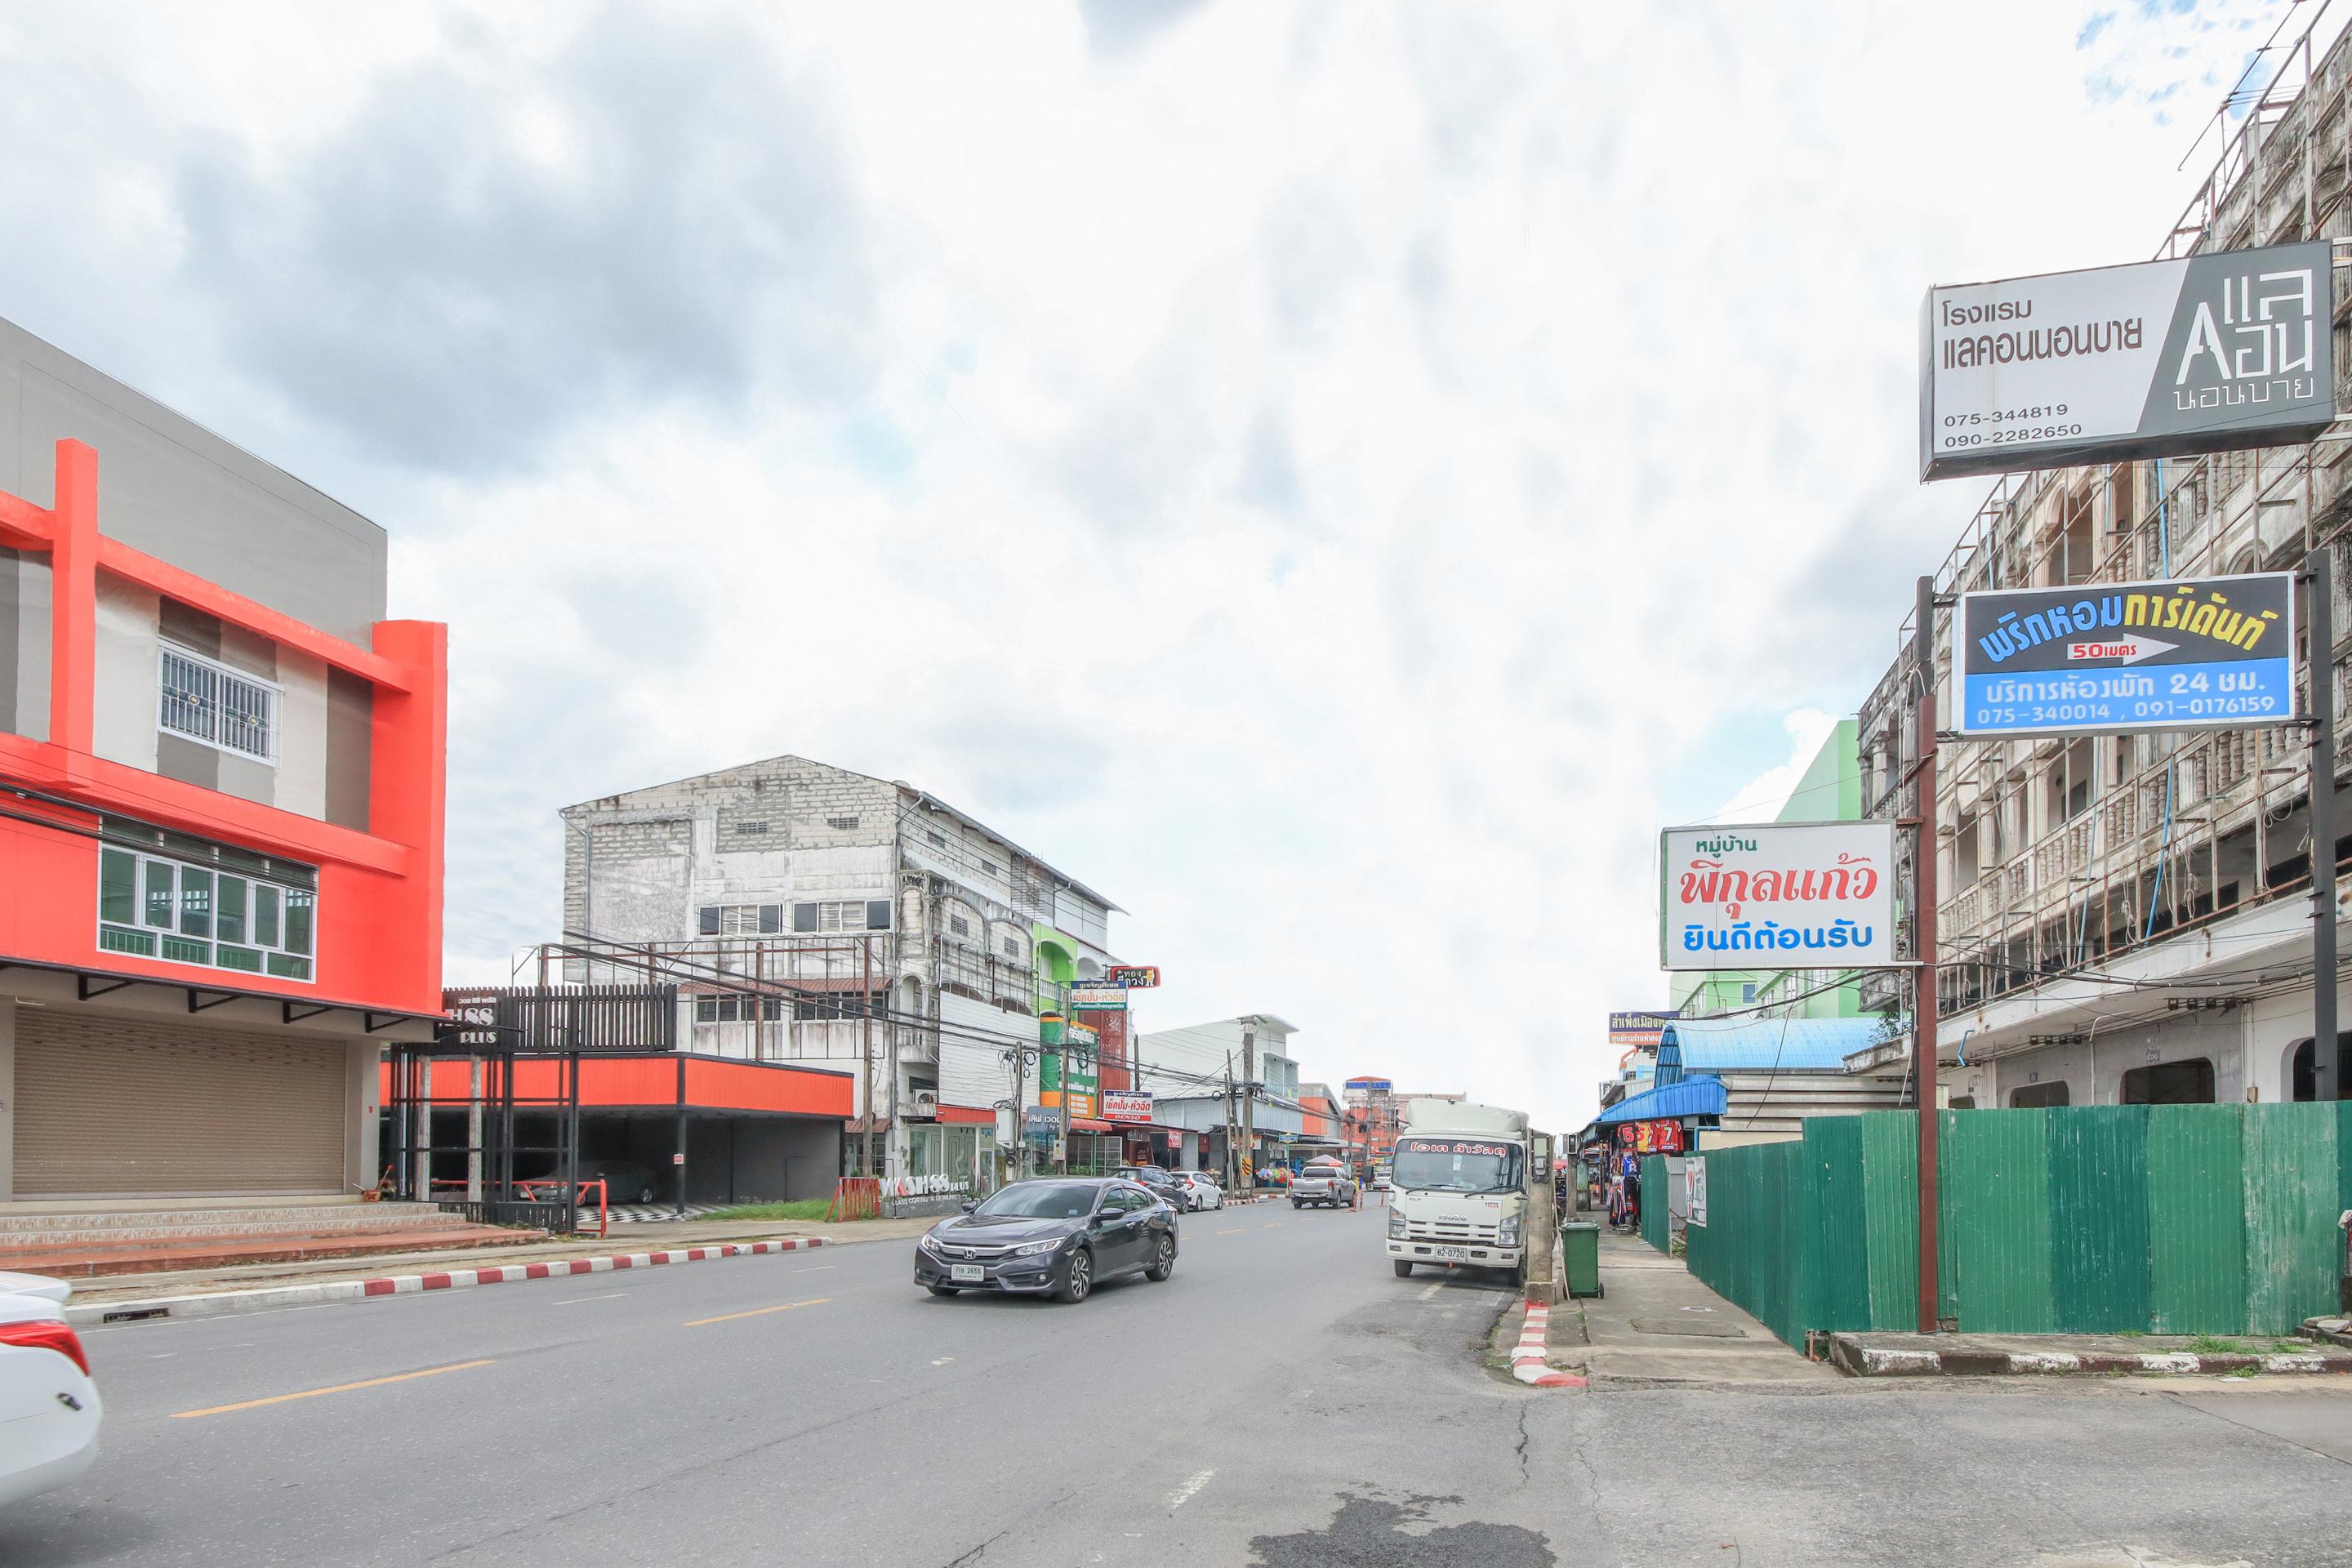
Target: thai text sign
point(1122, 1105)
point(2206, 353)
point(1638, 1028)
point(2206, 653)
point(1787, 896)
point(1135, 975)
point(1097, 995)
point(1651, 1137)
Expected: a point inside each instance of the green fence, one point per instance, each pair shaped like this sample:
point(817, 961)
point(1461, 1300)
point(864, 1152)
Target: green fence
point(2175, 1219)
point(1657, 1228)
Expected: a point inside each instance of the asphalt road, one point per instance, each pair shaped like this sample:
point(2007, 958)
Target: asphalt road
point(1284, 1401)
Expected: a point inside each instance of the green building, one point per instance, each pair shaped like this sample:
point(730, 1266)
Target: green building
point(1830, 790)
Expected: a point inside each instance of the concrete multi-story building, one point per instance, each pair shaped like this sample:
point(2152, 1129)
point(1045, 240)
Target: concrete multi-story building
point(221, 848)
point(920, 948)
point(2129, 919)
point(1186, 1070)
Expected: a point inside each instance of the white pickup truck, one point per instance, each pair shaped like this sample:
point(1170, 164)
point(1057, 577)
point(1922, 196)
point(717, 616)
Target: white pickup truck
point(1458, 1188)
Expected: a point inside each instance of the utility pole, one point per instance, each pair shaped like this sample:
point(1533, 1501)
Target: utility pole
point(1923, 954)
point(1233, 1165)
point(1249, 1094)
point(2326, 1083)
point(865, 1029)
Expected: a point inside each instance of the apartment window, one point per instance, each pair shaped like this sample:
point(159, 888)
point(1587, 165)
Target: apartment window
point(1747, 992)
point(210, 702)
point(736, 1009)
point(1011, 948)
point(833, 1006)
point(870, 915)
point(2028, 1096)
point(842, 823)
point(739, 920)
point(154, 908)
point(744, 827)
point(959, 926)
point(987, 867)
point(939, 840)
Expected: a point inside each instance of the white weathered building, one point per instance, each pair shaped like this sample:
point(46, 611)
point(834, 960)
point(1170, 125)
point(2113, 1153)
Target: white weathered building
point(919, 945)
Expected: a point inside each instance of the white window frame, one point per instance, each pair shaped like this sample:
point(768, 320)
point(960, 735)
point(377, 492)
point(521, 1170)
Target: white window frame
point(142, 859)
point(269, 691)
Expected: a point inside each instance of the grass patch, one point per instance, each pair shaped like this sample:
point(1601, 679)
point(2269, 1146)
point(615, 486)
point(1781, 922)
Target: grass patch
point(798, 1208)
point(2209, 1345)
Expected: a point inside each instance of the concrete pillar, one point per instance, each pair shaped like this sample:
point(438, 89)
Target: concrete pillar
point(363, 1098)
point(7, 1100)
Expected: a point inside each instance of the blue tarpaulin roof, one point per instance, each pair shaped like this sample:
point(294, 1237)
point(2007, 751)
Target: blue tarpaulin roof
point(1696, 1096)
point(1762, 1045)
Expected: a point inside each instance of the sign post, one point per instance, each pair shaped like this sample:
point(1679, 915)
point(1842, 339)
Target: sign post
point(1923, 997)
point(2326, 1083)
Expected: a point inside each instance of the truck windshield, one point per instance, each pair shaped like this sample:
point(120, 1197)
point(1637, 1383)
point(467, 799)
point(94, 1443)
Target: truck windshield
point(1457, 1165)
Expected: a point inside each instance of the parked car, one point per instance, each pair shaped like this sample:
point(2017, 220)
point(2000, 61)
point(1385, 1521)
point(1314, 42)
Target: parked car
point(1329, 1185)
point(49, 1410)
point(1164, 1184)
point(1059, 1236)
point(1206, 1194)
point(625, 1181)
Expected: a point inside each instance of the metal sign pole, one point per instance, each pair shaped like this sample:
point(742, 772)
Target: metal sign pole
point(1923, 984)
point(2326, 1083)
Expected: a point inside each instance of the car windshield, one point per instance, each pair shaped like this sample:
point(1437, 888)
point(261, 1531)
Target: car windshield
point(1457, 1165)
point(1041, 1200)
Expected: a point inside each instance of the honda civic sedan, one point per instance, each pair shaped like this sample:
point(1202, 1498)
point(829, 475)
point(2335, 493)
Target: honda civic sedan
point(1058, 1236)
point(48, 1406)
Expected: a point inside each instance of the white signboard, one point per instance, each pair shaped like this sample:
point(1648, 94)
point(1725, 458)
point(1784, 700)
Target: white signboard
point(1694, 1190)
point(2207, 353)
point(1816, 895)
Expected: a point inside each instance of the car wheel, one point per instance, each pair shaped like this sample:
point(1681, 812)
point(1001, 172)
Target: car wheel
point(1403, 1268)
point(1164, 1262)
point(943, 1290)
point(1077, 1278)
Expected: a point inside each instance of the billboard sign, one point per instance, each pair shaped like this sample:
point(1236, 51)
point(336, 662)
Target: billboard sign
point(1815, 895)
point(1079, 1087)
point(1099, 995)
point(1639, 1029)
point(2206, 353)
point(2202, 653)
point(1358, 1090)
point(1121, 1105)
point(1141, 976)
point(1041, 1125)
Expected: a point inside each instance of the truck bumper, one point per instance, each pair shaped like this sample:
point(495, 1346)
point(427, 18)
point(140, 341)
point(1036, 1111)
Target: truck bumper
point(1456, 1255)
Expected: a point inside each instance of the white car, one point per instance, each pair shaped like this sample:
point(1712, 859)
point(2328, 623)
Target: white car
point(1204, 1191)
point(48, 1406)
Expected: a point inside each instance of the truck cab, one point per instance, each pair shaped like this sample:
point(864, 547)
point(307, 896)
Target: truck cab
point(1458, 1188)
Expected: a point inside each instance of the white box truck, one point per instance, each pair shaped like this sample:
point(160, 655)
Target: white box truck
point(1458, 1188)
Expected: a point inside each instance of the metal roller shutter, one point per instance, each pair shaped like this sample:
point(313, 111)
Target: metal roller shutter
point(108, 1108)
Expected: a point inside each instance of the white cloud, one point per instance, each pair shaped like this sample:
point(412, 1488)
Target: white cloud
point(1306, 469)
point(1761, 798)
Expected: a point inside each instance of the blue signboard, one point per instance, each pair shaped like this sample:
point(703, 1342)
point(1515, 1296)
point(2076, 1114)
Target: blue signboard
point(2206, 653)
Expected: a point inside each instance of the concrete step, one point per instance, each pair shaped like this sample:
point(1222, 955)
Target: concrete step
point(194, 1222)
point(72, 1262)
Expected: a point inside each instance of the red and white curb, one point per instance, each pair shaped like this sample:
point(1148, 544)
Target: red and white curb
point(228, 1303)
point(1527, 1355)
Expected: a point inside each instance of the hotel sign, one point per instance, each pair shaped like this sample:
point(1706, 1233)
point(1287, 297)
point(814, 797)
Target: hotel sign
point(2200, 654)
point(2207, 353)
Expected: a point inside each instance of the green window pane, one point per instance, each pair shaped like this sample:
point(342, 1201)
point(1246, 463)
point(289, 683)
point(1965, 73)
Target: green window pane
point(195, 901)
point(291, 968)
point(243, 958)
point(118, 887)
point(228, 916)
point(265, 915)
point(160, 899)
point(182, 951)
point(297, 920)
point(114, 939)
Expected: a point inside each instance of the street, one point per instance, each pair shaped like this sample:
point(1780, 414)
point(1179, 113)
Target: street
point(1283, 1401)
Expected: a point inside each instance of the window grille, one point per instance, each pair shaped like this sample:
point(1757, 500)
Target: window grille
point(206, 702)
point(842, 823)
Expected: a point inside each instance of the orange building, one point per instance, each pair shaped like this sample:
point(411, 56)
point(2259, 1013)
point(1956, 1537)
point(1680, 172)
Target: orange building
point(221, 806)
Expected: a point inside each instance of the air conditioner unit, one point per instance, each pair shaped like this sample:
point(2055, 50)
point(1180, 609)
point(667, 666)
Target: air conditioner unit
point(924, 1106)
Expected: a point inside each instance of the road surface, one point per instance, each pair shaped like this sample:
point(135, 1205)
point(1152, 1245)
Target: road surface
point(1284, 1401)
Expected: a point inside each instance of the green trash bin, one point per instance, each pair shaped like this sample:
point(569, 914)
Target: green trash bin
point(1579, 1257)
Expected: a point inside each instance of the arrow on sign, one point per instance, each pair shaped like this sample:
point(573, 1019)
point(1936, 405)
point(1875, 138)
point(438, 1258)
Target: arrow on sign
point(2123, 650)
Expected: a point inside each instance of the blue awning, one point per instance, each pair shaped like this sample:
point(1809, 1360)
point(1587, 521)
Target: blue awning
point(1698, 1095)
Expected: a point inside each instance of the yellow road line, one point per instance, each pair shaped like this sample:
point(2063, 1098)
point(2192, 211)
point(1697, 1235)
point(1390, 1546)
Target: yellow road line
point(338, 1388)
point(1236, 1231)
point(758, 1312)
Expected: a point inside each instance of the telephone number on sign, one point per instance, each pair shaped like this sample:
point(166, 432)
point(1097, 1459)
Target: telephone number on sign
point(2006, 416)
point(2011, 436)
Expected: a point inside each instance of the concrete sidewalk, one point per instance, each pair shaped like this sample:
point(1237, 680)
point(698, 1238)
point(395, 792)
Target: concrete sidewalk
point(650, 1236)
point(1654, 1326)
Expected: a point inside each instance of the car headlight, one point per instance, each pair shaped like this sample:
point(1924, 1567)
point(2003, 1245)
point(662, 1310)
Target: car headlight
point(1034, 1247)
point(932, 1244)
point(1508, 1232)
point(1396, 1224)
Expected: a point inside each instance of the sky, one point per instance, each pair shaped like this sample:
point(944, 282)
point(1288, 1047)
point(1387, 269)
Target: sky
point(1336, 477)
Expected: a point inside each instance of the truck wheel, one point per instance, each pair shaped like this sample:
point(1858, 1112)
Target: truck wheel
point(1403, 1268)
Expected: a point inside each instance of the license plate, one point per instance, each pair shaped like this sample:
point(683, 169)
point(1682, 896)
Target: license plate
point(1454, 1254)
point(971, 1272)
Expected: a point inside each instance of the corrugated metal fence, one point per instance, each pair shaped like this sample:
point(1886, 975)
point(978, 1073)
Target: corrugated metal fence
point(1655, 1227)
point(2175, 1219)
